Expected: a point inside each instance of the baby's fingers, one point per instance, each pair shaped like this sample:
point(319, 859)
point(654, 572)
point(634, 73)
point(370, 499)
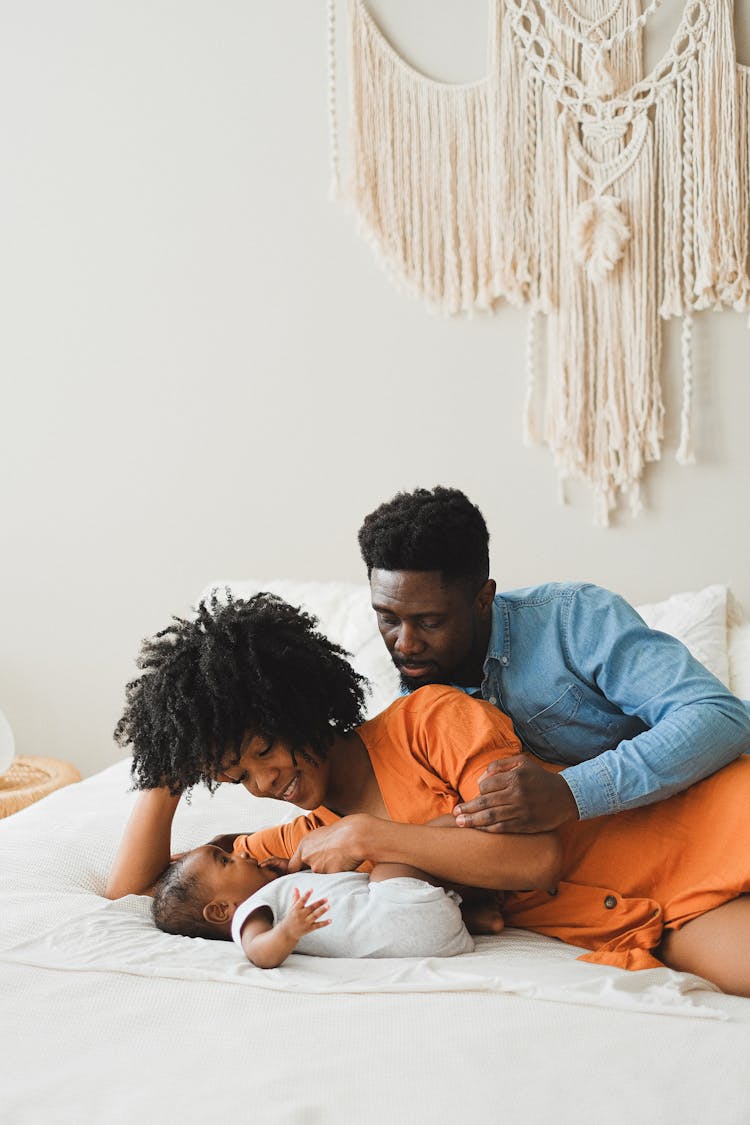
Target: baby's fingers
point(316, 907)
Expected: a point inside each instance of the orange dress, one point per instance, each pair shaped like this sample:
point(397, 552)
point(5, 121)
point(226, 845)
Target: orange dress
point(625, 877)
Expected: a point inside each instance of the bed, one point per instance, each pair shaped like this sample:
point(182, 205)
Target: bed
point(107, 1020)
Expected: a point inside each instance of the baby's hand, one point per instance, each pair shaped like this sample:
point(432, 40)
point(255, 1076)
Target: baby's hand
point(304, 917)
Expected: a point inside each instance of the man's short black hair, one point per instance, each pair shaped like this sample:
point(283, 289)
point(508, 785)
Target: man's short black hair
point(438, 529)
point(245, 667)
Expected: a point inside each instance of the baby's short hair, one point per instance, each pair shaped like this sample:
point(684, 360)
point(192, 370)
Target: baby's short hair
point(177, 905)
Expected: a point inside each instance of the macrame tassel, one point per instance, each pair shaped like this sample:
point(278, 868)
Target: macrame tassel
point(604, 412)
point(601, 81)
point(685, 455)
point(669, 164)
point(530, 434)
point(513, 170)
point(720, 269)
point(334, 190)
point(600, 233)
point(743, 105)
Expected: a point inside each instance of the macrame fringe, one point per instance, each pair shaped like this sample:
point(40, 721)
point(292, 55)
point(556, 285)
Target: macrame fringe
point(334, 190)
point(530, 432)
point(685, 455)
point(420, 164)
point(568, 182)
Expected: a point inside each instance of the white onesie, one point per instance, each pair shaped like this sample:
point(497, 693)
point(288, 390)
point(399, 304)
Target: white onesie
point(399, 917)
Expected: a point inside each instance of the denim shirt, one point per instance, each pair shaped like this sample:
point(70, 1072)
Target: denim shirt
point(632, 714)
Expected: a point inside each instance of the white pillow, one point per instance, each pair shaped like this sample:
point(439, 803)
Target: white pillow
point(699, 620)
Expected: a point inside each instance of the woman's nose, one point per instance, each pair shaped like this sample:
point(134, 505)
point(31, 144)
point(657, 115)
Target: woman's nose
point(261, 782)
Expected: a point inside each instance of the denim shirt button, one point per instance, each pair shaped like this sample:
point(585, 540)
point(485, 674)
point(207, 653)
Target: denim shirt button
point(493, 701)
point(503, 659)
point(610, 902)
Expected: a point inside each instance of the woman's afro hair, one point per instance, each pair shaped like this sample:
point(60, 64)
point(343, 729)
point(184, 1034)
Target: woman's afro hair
point(241, 667)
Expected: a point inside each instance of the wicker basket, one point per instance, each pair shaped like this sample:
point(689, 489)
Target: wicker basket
point(30, 779)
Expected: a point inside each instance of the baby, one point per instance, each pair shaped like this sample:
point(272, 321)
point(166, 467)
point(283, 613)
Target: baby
point(392, 912)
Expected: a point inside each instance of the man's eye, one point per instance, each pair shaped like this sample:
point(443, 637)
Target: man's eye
point(262, 753)
point(431, 624)
point(224, 860)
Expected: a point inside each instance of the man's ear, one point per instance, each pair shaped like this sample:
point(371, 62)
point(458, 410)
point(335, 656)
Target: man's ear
point(485, 597)
point(217, 912)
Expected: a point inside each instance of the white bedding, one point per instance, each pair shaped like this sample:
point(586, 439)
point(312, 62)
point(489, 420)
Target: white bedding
point(107, 1020)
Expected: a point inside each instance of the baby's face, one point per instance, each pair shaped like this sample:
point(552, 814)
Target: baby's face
point(226, 875)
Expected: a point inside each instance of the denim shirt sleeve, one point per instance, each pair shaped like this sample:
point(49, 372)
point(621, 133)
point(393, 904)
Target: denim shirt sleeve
point(696, 725)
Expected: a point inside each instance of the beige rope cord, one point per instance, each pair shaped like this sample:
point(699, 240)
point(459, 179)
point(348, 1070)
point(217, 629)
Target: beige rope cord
point(30, 779)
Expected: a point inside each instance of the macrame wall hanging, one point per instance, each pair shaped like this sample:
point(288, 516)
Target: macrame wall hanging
point(568, 181)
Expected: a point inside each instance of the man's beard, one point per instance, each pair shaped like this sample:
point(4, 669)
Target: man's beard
point(433, 675)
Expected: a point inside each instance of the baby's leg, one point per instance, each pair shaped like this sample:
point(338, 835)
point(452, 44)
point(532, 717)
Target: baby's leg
point(714, 946)
point(481, 910)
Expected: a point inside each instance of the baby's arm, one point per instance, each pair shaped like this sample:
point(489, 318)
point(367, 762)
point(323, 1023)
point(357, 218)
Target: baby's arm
point(266, 945)
point(144, 851)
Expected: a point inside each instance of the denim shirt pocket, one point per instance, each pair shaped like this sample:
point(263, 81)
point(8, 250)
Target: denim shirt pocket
point(562, 711)
point(572, 727)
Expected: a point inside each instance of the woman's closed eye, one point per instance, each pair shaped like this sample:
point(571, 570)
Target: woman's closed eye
point(227, 777)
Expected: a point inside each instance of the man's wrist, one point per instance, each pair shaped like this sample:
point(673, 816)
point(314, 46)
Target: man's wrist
point(574, 812)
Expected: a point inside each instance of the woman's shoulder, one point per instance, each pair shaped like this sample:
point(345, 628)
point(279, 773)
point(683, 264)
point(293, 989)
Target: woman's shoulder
point(436, 703)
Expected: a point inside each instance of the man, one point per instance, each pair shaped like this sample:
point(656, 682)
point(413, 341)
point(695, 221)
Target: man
point(628, 711)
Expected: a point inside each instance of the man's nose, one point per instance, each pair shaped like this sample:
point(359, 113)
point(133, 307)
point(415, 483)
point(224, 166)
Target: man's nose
point(408, 642)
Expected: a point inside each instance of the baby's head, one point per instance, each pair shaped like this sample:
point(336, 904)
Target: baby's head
point(198, 894)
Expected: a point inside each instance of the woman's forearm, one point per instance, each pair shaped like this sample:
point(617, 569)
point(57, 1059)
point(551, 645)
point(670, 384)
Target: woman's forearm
point(451, 854)
point(474, 858)
point(144, 850)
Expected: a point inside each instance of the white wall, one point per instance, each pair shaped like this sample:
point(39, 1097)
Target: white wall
point(204, 374)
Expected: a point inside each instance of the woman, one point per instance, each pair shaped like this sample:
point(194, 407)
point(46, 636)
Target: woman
point(249, 693)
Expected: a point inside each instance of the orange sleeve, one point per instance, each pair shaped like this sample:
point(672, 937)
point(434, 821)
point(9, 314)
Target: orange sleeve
point(282, 839)
point(463, 736)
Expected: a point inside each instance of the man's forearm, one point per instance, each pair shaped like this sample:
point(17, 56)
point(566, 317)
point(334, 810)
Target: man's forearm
point(688, 744)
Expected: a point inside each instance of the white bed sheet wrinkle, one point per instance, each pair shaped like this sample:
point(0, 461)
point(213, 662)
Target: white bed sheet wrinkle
point(119, 936)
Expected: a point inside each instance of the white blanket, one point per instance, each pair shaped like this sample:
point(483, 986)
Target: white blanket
point(67, 925)
point(106, 1021)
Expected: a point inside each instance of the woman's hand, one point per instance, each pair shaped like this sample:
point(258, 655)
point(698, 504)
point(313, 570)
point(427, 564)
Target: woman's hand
point(337, 847)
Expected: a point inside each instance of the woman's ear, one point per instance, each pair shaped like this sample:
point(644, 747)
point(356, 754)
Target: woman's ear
point(217, 912)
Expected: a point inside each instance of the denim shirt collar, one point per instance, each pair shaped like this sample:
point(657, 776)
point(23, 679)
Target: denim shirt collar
point(499, 646)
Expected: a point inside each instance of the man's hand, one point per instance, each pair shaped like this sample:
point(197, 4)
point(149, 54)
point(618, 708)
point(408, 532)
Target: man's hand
point(518, 795)
point(332, 848)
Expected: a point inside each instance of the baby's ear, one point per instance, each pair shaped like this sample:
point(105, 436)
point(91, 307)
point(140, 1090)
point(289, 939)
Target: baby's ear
point(217, 912)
